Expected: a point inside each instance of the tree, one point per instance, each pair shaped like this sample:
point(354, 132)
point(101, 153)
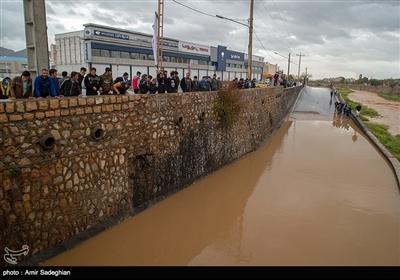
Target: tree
point(305, 76)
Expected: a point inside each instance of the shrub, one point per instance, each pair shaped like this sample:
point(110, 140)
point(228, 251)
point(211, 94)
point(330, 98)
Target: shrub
point(228, 106)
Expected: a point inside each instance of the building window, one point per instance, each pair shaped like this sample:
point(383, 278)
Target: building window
point(135, 56)
point(143, 56)
point(150, 57)
point(179, 60)
point(172, 59)
point(194, 61)
point(105, 53)
point(116, 54)
point(124, 55)
point(166, 58)
point(96, 52)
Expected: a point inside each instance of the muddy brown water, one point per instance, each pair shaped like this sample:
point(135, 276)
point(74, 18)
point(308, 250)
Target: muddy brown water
point(316, 193)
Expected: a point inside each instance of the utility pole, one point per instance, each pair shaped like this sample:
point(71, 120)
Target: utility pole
point(160, 35)
point(299, 55)
point(288, 68)
point(250, 50)
point(37, 46)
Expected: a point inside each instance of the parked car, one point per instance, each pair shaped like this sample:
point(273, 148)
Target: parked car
point(264, 83)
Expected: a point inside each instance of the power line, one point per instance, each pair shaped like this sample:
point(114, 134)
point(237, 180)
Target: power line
point(266, 25)
point(265, 48)
point(282, 21)
point(194, 9)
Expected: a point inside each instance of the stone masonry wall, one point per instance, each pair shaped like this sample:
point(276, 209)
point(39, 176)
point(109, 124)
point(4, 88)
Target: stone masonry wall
point(69, 164)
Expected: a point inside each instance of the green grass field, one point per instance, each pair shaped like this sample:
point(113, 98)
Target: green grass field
point(390, 97)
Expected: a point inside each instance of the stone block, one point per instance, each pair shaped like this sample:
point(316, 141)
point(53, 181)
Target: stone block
point(64, 103)
point(43, 105)
point(64, 112)
point(3, 118)
point(10, 107)
point(82, 101)
point(54, 104)
point(39, 115)
point(49, 114)
point(20, 106)
point(29, 116)
point(73, 102)
point(97, 109)
point(80, 111)
point(14, 118)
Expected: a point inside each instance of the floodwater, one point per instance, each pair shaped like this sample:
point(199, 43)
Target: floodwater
point(317, 193)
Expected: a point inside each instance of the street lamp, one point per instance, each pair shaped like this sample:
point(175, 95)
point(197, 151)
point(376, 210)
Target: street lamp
point(250, 47)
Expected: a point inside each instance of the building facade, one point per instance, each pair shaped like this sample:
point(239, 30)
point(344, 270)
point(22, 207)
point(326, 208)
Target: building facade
point(128, 51)
point(12, 66)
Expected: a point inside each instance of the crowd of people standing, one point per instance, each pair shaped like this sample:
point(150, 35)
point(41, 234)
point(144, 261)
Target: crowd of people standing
point(49, 84)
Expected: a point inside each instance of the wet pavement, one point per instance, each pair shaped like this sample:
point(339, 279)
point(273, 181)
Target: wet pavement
point(317, 193)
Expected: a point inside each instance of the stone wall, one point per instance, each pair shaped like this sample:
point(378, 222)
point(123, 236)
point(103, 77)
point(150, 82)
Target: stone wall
point(69, 164)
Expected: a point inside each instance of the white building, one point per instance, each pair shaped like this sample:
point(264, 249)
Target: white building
point(129, 51)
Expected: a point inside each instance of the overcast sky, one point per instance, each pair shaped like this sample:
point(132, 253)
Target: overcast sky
point(337, 38)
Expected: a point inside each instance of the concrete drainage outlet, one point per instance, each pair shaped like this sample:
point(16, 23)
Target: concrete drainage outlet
point(178, 119)
point(202, 115)
point(47, 141)
point(97, 133)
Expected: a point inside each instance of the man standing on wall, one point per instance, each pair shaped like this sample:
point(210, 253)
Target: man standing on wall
point(276, 77)
point(106, 82)
point(43, 86)
point(136, 81)
point(92, 82)
point(21, 86)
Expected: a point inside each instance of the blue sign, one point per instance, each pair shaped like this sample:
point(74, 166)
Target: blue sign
point(232, 55)
point(221, 60)
point(110, 34)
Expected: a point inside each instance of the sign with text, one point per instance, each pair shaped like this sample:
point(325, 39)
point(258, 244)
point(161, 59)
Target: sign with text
point(111, 34)
point(194, 48)
point(236, 56)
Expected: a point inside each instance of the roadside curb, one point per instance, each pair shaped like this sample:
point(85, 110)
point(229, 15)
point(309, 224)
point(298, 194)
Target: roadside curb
point(392, 160)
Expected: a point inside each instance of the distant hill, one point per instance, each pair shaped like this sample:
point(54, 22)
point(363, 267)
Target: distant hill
point(8, 52)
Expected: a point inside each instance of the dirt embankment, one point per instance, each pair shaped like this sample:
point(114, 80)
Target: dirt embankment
point(389, 110)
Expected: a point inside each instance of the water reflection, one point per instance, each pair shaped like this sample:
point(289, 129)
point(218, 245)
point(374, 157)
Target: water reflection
point(313, 199)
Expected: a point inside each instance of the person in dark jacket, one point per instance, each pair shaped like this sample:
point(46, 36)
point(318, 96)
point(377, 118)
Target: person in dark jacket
point(187, 83)
point(44, 86)
point(145, 84)
point(53, 76)
point(153, 86)
point(81, 76)
point(171, 83)
point(22, 86)
point(162, 83)
point(92, 82)
point(195, 84)
point(123, 78)
point(70, 87)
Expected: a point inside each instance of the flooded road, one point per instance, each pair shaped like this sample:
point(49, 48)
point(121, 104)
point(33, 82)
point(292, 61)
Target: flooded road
point(317, 193)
